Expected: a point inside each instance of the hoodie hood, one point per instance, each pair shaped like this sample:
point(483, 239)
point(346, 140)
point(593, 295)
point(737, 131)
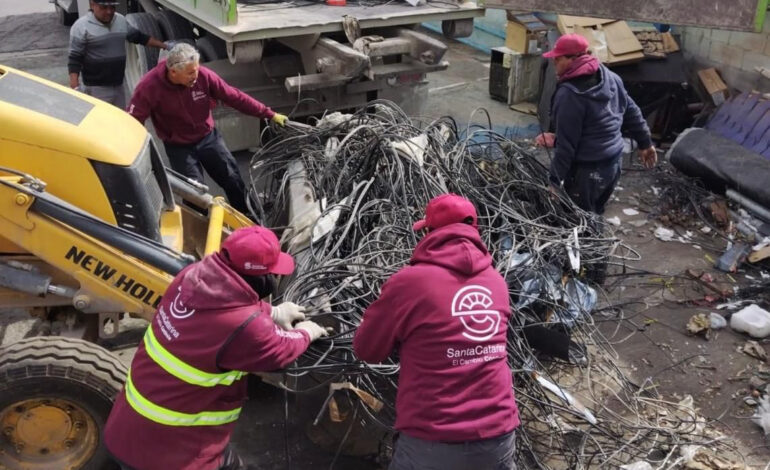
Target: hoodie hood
point(212, 285)
point(457, 247)
point(602, 91)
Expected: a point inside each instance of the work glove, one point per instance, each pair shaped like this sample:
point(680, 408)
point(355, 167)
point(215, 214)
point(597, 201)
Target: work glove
point(314, 330)
point(280, 119)
point(169, 44)
point(287, 313)
point(546, 139)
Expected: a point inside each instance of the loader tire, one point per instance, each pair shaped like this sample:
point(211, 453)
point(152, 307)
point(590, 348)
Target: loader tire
point(173, 26)
point(55, 396)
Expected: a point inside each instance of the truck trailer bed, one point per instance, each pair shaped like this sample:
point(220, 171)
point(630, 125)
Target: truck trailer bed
point(261, 20)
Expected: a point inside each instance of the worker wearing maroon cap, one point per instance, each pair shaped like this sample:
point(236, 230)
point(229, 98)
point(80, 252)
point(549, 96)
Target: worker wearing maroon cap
point(187, 384)
point(446, 314)
point(589, 109)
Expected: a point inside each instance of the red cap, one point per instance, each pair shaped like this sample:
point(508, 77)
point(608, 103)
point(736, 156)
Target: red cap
point(569, 44)
point(255, 250)
point(446, 209)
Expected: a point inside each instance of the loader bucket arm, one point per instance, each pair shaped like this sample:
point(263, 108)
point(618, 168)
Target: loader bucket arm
point(117, 270)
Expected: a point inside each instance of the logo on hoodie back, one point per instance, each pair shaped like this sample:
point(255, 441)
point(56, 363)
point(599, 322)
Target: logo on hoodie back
point(471, 305)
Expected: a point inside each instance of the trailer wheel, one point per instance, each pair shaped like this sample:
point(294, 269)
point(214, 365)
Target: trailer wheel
point(55, 396)
point(173, 26)
point(66, 19)
point(140, 59)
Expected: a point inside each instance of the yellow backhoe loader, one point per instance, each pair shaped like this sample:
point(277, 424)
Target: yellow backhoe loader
point(92, 227)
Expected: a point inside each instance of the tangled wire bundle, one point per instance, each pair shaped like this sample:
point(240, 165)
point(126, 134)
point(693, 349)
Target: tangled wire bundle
point(366, 179)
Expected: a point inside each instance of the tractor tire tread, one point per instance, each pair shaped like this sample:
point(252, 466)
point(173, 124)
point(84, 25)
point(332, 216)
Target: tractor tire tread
point(51, 356)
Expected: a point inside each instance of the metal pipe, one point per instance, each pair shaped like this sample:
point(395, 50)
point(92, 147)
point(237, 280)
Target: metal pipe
point(749, 204)
point(190, 191)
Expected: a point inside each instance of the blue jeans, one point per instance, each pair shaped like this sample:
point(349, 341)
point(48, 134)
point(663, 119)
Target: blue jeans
point(496, 453)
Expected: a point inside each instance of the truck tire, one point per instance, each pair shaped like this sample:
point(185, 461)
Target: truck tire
point(211, 48)
point(66, 19)
point(55, 396)
point(140, 59)
point(173, 26)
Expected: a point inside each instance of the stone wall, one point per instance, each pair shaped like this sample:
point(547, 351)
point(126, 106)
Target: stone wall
point(735, 54)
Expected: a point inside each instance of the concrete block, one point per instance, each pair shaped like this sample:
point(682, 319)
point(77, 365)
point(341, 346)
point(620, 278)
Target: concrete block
point(748, 41)
point(703, 49)
point(703, 32)
point(720, 35)
point(727, 55)
point(752, 60)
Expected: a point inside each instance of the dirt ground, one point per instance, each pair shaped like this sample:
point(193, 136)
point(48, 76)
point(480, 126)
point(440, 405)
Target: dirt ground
point(649, 335)
point(653, 340)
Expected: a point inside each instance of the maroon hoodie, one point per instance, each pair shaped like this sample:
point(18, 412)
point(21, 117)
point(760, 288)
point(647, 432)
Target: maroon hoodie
point(212, 320)
point(447, 314)
point(182, 115)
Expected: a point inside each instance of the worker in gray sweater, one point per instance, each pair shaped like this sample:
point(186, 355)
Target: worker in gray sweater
point(98, 51)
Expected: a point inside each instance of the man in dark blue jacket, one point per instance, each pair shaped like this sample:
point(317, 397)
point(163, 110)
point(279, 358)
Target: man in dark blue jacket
point(588, 110)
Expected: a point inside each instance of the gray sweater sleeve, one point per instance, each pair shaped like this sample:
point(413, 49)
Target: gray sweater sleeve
point(77, 48)
point(137, 37)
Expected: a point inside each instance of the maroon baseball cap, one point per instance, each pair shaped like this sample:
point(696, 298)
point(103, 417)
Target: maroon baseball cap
point(255, 251)
point(569, 44)
point(446, 209)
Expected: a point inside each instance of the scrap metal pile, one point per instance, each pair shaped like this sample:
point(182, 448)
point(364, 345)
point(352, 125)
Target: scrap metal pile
point(345, 194)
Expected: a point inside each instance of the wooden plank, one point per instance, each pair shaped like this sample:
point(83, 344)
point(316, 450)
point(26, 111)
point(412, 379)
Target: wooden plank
point(744, 15)
point(713, 84)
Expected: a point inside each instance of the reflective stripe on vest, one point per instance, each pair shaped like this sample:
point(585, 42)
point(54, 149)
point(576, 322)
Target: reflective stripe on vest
point(182, 371)
point(168, 417)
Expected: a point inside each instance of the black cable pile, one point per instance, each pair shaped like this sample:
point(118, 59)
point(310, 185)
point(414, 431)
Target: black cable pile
point(372, 173)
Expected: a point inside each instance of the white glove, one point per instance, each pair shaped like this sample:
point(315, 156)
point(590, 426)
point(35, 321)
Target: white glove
point(286, 314)
point(313, 329)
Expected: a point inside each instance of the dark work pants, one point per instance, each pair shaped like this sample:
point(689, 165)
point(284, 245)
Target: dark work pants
point(496, 453)
point(230, 461)
point(590, 185)
point(212, 155)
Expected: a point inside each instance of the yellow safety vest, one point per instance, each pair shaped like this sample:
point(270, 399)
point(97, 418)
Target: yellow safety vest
point(186, 373)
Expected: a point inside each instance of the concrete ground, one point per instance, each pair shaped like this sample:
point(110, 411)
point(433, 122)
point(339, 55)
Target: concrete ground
point(651, 338)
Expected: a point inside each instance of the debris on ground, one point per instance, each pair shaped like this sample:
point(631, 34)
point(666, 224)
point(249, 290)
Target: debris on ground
point(637, 466)
point(701, 458)
point(753, 320)
point(699, 324)
point(755, 350)
point(717, 321)
point(761, 416)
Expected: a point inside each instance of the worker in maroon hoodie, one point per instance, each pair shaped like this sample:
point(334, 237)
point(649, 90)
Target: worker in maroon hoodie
point(178, 95)
point(187, 382)
point(446, 314)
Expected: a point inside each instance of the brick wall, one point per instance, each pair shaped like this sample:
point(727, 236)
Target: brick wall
point(735, 54)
